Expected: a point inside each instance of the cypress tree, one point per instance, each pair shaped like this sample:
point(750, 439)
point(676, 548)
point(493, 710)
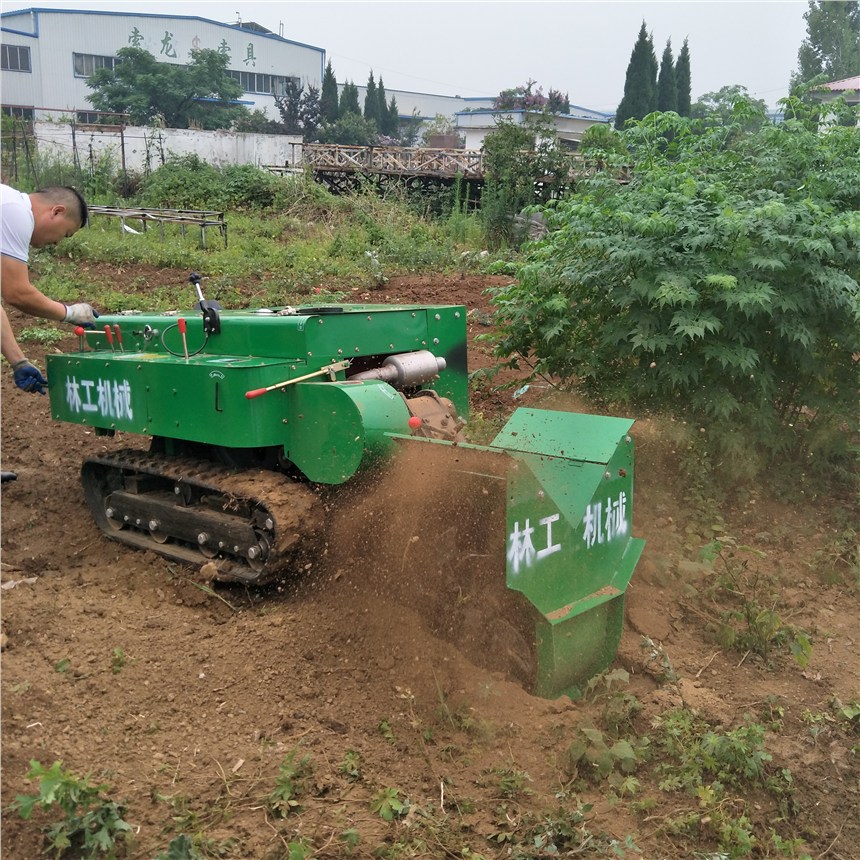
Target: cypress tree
point(682, 80)
point(349, 100)
point(393, 118)
point(328, 95)
point(382, 108)
point(667, 90)
point(371, 102)
point(655, 68)
point(640, 85)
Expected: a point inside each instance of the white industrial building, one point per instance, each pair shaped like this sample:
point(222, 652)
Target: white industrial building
point(46, 55)
point(426, 106)
point(475, 125)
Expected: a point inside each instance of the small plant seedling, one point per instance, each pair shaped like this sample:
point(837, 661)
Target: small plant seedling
point(118, 661)
point(180, 848)
point(90, 826)
point(512, 782)
point(291, 784)
point(849, 711)
point(388, 805)
point(385, 730)
point(350, 839)
point(590, 754)
point(350, 767)
point(656, 654)
point(299, 850)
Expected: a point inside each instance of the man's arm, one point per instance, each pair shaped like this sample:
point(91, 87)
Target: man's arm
point(27, 376)
point(17, 290)
point(11, 351)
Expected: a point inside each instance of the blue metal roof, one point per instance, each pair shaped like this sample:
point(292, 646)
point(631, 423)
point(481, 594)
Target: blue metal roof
point(587, 113)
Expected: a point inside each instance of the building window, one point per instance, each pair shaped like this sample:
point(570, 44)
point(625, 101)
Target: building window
point(86, 117)
point(86, 64)
point(25, 113)
point(256, 82)
point(15, 58)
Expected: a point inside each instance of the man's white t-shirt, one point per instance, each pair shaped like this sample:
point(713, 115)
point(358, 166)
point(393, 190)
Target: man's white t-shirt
point(16, 224)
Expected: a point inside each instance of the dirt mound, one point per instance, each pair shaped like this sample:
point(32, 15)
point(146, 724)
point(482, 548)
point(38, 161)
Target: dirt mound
point(426, 538)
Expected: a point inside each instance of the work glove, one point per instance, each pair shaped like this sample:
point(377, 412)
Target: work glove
point(28, 377)
point(81, 314)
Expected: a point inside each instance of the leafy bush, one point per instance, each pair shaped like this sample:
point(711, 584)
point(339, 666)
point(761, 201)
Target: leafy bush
point(245, 186)
point(349, 130)
point(721, 283)
point(186, 182)
point(46, 335)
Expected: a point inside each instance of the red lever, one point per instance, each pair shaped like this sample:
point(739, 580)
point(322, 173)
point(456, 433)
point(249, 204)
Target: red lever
point(109, 336)
point(183, 327)
point(118, 333)
point(255, 393)
point(80, 331)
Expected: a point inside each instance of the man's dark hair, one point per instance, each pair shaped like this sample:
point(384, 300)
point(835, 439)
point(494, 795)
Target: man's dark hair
point(69, 197)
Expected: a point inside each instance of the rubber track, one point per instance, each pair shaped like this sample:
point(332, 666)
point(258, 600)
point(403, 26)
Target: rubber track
point(295, 509)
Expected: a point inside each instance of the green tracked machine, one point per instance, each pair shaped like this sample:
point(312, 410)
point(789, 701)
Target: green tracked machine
point(258, 416)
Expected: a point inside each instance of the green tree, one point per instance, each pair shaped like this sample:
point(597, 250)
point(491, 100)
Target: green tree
point(371, 101)
point(832, 44)
point(144, 88)
point(719, 108)
point(310, 115)
point(667, 89)
point(557, 102)
point(299, 109)
point(526, 97)
point(640, 84)
point(682, 80)
point(715, 285)
point(394, 119)
point(328, 96)
point(385, 125)
point(381, 107)
point(351, 129)
point(509, 178)
point(349, 100)
point(444, 125)
point(515, 156)
point(256, 122)
point(289, 106)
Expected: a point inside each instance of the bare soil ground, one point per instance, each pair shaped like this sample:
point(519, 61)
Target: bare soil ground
point(185, 701)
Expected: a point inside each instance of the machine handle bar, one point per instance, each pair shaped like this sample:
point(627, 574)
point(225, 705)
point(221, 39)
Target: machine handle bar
point(330, 370)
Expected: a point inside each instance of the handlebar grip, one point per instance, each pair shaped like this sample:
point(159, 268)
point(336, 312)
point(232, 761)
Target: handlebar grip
point(255, 393)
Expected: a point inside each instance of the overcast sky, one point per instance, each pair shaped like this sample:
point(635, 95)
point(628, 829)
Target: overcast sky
point(452, 47)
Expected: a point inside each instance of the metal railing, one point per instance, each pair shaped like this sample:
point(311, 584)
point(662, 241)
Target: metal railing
point(202, 218)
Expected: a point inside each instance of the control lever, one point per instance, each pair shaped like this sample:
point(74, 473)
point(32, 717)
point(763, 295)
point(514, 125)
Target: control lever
point(211, 320)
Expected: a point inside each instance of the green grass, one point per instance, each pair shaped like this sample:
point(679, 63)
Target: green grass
point(271, 258)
